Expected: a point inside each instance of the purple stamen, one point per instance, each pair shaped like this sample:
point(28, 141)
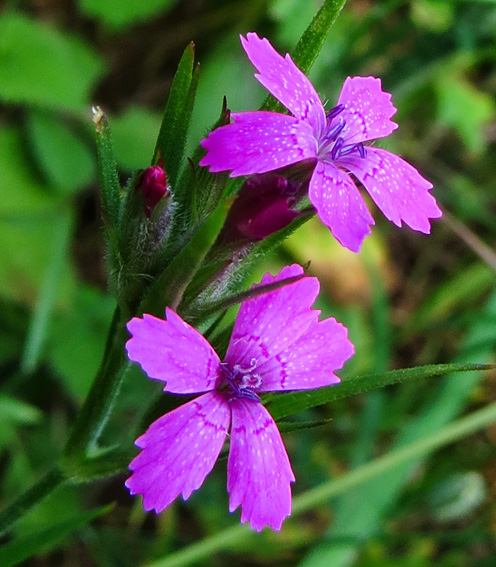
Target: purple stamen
point(333, 133)
point(340, 151)
point(346, 150)
point(336, 150)
point(335, 111)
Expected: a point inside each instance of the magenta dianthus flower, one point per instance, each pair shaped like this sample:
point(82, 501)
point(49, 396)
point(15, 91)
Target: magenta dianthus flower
point(257, 142)
point(277, 344)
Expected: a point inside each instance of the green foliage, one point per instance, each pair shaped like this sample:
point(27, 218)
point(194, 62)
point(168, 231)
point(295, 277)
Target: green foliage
point(48, 539)
point(27, 210)
point(121, 13)
point(47, 67)
point(77, 338)
point(134, 133)
point(22, 194)
point(464, 108)
point(59, 152)
point(370, 489)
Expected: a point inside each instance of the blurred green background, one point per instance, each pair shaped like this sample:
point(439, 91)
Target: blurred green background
point(408, 299)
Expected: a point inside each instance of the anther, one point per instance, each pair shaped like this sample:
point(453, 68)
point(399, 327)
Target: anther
point(335, 111)
point(333, 132)
point(336, 150)
point(349, 149)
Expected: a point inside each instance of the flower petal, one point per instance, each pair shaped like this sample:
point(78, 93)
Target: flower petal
point(367, 110)
point(259, 474)
point(397, 188)
point(282, 78)
point(258, 142)
point(174, 352)
point(271, 323)
point(179, 450)
point(310, 362)
point(339, 205)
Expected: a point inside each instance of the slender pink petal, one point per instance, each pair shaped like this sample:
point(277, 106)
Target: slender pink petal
point(271, 323)
point(179, 450)
point(367, 111)
point(339, 205)
point(258, 471)
point(397, 188)
point(282, 78)
point(311, 362)
point(174, 352)
point(258, 142)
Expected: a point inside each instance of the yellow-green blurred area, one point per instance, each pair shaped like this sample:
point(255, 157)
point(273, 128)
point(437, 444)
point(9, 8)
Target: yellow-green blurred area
point(408, 299)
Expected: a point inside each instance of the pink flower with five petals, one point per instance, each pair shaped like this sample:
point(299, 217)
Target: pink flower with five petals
point(277, 344)
point(257, 142)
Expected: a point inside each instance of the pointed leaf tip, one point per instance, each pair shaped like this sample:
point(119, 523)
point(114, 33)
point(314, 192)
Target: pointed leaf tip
point(107, 167)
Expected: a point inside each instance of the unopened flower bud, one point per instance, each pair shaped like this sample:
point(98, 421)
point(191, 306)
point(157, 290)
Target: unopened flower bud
point(262, 207)
point(152, 183)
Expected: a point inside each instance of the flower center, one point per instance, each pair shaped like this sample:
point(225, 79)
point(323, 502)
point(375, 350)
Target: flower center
point(332, 144)
point(242, 382)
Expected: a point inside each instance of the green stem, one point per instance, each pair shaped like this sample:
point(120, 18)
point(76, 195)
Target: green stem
point(320, 494)
point(98, 404)
point(30, 498)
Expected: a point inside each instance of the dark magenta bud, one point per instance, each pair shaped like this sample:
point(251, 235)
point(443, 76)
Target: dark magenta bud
point(152, 183)
point(262, 207)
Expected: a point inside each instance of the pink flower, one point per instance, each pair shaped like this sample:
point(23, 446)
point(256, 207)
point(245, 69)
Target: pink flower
point(277, 344)
point(264, 141)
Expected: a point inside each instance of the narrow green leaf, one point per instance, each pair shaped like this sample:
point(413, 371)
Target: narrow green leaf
point(288, 426)
point(107, 168)
point(208, 187)
point(288, 404)
point(311, 42)
point(229, 300)
point(171, 141)
point(313, 37)
point(24, 547)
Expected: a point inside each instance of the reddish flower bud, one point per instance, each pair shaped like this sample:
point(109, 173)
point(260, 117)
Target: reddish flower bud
point(152, 183)
point(262, 207)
